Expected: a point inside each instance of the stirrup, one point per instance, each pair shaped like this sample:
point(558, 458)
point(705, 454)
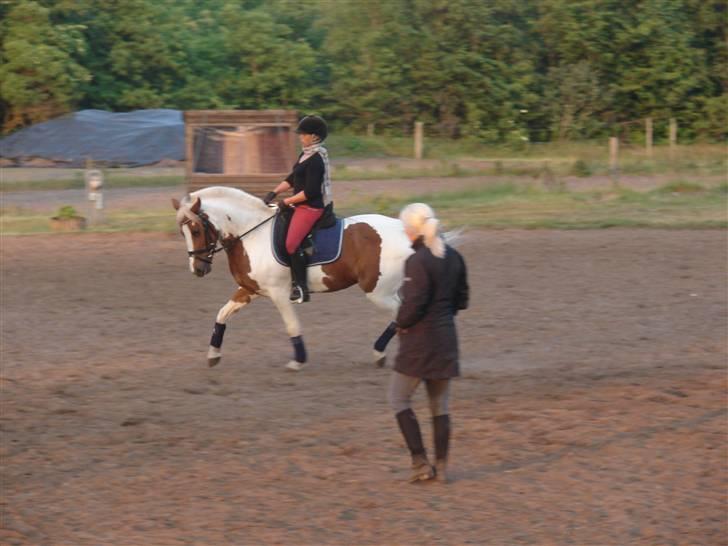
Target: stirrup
point(298, 294)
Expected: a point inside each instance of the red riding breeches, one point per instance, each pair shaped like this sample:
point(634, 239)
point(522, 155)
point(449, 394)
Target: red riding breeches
point(304, 217)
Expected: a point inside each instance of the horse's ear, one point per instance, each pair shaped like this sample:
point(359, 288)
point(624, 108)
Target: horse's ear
point(175, 204)
point(196, 205)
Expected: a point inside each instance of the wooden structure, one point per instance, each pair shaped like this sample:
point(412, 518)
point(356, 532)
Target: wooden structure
point(247, 149)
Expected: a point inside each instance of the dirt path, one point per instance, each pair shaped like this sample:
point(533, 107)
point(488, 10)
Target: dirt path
point(591, 410)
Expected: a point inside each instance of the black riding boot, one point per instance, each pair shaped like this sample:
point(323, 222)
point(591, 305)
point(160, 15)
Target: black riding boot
point(441, 432)
point(299, 288)
point(421, 467)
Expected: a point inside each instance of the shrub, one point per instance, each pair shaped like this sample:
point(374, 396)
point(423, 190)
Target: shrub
point(66, 211)
point(581, 168)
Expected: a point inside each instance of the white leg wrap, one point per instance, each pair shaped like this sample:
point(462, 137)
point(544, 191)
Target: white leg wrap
point(294, 366)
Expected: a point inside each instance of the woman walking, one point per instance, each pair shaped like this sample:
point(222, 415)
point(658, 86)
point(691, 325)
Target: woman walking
point(435, 288)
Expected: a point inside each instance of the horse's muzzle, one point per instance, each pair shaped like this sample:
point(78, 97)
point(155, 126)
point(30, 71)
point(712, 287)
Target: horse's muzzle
point(202, 269)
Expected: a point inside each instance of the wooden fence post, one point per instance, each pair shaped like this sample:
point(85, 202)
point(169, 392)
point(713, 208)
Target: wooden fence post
point(614, 160)
point(419, 137)
point(648, 136)
point(370, 129)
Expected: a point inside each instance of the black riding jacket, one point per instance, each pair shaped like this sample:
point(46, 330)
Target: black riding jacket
point(434, 290)
point(308, 176)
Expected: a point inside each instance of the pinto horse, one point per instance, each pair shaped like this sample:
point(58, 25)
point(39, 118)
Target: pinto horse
point(373, 253)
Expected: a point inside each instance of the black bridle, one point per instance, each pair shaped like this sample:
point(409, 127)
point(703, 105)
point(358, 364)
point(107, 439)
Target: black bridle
point(212, 236)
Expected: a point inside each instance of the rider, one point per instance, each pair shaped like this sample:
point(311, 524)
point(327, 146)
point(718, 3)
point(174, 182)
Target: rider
point(311, 183)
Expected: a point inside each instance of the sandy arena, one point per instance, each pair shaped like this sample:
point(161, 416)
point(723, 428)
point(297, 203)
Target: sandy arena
point(591, 411)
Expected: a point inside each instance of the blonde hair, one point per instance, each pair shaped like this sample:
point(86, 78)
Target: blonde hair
point(420, 218)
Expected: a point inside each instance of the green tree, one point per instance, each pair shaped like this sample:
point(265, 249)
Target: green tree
point(574, 98)
point(201, 37)
point(39, 77)
point(478, 67)
point(642, 56)
point(660, 73)
point(497, 70)
point(458, 65)
point(709, 22)
point(134, 53)
point(265, 65)
point(370, 47)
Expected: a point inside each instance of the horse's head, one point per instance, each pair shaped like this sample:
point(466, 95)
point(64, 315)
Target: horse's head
point(199, 233)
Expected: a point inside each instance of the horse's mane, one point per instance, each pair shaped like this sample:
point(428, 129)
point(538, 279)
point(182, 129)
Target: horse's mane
point(229, 194)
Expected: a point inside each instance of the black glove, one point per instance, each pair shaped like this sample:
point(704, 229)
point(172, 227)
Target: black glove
point(282, 206)
point(269, 197)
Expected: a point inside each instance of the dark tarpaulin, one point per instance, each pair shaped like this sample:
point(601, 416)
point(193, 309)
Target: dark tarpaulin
point(134, 138)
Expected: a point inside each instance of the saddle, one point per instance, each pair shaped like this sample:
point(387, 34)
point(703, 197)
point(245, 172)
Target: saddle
point(321, 246)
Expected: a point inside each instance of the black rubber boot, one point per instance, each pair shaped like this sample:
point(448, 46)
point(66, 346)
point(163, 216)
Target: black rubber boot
point(441, 432)
point(299, 289)
point(421, 467)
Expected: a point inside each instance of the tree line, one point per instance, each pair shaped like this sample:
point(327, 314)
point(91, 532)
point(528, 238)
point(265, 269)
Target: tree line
point(495, 70)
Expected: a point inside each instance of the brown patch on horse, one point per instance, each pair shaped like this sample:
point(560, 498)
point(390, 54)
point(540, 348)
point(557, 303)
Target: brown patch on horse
point(239, 263)
point(359, 261)
point(241, 295)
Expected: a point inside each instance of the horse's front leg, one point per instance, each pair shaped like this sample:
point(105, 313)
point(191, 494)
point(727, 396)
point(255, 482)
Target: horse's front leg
point(240, 299)
point(293, 327)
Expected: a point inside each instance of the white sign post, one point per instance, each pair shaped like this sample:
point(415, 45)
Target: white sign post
point(94, 185)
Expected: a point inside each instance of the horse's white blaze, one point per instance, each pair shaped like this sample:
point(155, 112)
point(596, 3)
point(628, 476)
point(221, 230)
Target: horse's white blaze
point(190, 247)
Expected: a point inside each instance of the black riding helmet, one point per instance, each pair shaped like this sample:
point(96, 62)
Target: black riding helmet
point(313, 125)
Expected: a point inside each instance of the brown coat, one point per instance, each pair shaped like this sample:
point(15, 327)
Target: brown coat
point(434, 290)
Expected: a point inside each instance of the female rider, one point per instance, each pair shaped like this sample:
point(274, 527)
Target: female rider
point(311, 185)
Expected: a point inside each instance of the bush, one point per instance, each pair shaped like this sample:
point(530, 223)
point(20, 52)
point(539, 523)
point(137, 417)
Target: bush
point(581, 168)
point(66, 211)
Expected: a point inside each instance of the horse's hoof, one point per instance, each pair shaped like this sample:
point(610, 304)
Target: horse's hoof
point(213, 361)
point(294, 366)
point(380, 359)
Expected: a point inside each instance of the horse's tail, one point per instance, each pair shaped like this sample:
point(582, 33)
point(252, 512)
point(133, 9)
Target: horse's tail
point(454, 238)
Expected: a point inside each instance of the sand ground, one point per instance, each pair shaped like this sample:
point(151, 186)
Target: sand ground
point(591, 410)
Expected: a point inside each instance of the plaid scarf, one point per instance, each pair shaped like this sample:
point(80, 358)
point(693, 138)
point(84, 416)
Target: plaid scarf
point(318, 148)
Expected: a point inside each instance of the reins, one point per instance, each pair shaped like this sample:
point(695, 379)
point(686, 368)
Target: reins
point(211, 248)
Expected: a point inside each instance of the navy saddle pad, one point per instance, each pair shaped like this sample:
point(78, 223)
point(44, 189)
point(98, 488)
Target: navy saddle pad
point(323, 246)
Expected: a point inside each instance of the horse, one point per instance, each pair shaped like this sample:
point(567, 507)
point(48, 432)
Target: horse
point(373, 252)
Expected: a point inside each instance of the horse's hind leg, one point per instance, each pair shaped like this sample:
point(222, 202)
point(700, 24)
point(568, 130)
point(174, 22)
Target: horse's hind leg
point(391, 304)
point(240, 299)
point(380, 345)
point(293, 327)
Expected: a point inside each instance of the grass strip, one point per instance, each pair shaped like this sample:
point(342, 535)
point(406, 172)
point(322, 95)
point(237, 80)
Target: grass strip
point(677, 205)
point(508, 205)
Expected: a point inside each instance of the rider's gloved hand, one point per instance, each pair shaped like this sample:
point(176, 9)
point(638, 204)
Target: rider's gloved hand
point(282, 205)
point(269, 197)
